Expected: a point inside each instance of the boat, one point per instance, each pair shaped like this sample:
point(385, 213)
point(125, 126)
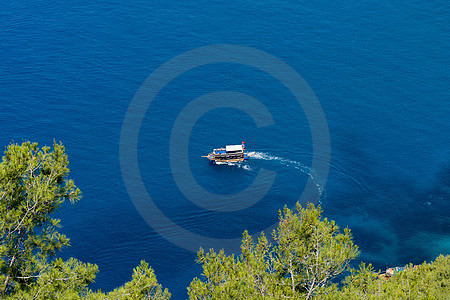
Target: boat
point(391, 272)
point(229, 154)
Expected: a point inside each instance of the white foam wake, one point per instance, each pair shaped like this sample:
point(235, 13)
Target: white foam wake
point(235, 164)
point(291, 163)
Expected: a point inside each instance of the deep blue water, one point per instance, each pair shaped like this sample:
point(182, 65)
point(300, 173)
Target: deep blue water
point(380, 71)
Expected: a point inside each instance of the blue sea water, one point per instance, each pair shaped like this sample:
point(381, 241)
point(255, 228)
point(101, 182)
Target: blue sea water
point(380, 70)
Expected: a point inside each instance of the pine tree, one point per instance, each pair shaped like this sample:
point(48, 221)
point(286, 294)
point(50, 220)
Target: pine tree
point(33, 185)
point(308, 253)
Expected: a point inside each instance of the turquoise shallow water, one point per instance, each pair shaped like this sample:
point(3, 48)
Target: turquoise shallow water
point(379, 70)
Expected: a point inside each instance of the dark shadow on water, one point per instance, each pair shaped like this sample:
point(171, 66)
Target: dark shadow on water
point(399, 223)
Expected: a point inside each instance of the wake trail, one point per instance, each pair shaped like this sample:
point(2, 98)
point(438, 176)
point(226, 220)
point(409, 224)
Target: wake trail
point(236, 164)
point(292, 164)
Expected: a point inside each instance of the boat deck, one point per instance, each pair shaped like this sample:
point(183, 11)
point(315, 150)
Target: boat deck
point(233, 153)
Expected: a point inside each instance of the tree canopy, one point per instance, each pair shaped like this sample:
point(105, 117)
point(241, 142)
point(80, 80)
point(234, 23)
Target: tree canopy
point(425, 281)
point(303, 260)
point(307, 254)
point(33, 184)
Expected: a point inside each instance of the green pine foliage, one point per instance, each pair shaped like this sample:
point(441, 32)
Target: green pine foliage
point(58, 280)
point(310, 252)
point(425, 281)
point(143, 285)
point(227, 277)
point(33, 185)
point(307, 254)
